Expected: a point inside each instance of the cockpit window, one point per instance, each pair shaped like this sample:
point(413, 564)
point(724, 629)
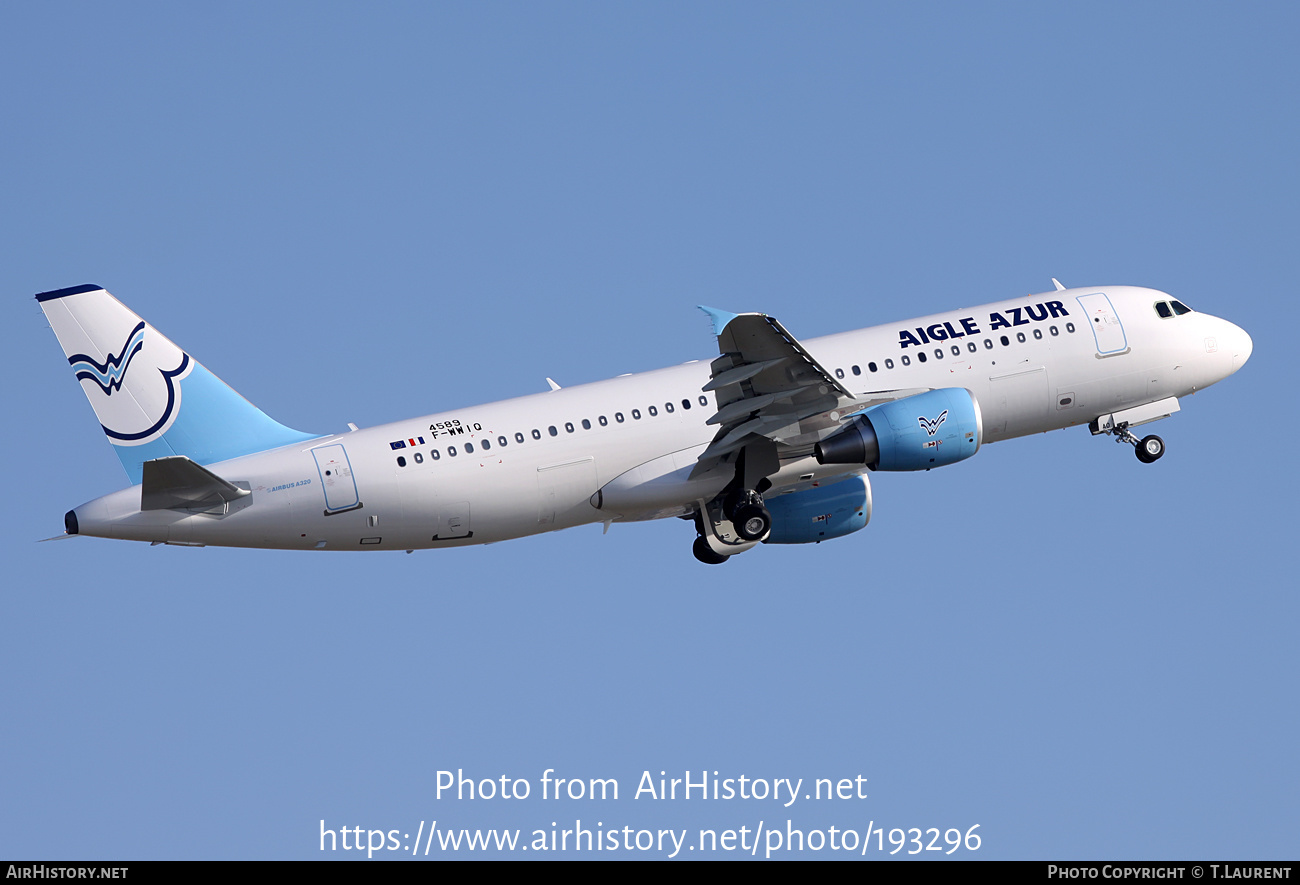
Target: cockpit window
point(1180, 308)
point(1162, 308)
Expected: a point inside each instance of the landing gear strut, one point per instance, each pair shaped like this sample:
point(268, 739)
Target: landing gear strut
point(1149, 449)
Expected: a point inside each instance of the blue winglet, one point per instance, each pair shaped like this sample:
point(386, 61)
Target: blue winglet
point(720, 318)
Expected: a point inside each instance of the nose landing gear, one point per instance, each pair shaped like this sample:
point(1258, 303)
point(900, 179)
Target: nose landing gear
point(1149, 449)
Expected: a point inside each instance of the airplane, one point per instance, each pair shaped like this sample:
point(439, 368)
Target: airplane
point(771, 442)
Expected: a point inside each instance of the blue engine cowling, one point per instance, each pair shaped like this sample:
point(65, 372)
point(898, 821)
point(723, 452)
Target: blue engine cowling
point(915, 433)
point(819, 514)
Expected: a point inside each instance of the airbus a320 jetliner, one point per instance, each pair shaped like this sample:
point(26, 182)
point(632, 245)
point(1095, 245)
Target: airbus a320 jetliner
point(770, 442)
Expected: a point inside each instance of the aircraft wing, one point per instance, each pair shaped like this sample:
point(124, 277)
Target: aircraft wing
point(768, 386)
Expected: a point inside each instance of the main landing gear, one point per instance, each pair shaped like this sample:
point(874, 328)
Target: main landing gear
point(704, 553)
point(746, 511)
point(729, 524)
point(1149, 449)
point(736, 519)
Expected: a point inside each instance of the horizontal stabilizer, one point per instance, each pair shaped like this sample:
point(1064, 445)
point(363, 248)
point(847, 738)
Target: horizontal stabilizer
point(177, 483)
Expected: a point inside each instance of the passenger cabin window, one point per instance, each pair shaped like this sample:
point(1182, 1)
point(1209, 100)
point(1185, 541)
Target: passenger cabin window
point(871, 367)
point(857, 370)
point(586, 425)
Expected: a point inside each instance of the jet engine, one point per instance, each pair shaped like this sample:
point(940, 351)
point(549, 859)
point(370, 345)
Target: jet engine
point(818, 514)
point(915, 433)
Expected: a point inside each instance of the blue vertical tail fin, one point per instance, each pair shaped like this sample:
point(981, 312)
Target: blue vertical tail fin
point(153, 399)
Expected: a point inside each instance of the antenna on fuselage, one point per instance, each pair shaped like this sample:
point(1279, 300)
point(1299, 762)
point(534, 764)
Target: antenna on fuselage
point(1057, 284)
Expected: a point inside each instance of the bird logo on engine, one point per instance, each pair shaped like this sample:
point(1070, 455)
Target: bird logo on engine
point(932, 427)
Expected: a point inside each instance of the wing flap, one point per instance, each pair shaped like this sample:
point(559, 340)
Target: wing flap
point(743, 372)
point(741, 408)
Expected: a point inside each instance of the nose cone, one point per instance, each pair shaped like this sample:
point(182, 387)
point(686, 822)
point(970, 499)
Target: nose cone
point(1238, 344)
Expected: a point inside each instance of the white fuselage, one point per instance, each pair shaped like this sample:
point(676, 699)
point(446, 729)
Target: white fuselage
point(532, 464)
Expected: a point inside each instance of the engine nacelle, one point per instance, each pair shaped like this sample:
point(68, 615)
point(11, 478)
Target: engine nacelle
point(820, 514)
point(915, 433)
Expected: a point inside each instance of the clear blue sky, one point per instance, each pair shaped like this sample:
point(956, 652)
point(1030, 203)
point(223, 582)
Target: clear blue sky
point(360, 213)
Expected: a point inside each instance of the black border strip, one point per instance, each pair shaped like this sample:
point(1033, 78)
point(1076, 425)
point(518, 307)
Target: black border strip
point(64, 293)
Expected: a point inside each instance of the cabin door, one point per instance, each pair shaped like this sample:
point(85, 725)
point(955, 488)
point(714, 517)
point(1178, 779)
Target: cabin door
point(1107, 330)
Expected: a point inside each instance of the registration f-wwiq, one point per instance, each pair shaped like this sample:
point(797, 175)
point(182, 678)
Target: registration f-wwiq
point(772, 441)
